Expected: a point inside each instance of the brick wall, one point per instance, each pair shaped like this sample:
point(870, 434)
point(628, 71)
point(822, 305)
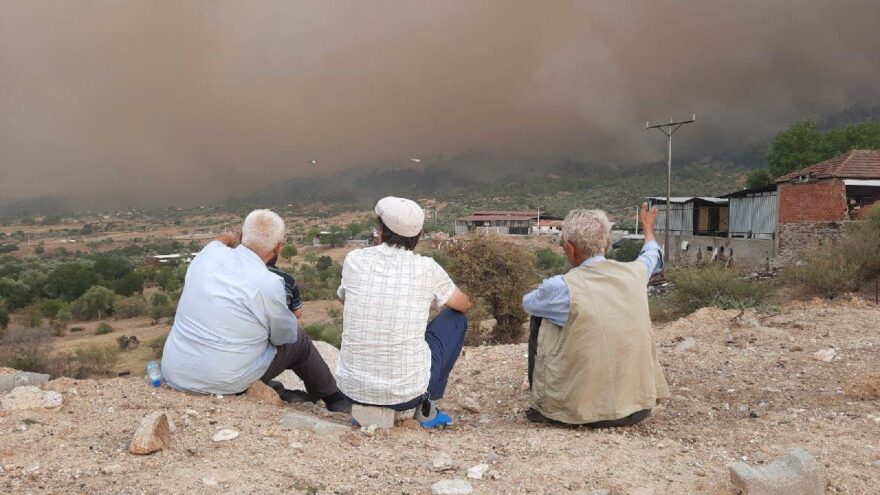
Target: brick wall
point(798, 239)
point(822, 201)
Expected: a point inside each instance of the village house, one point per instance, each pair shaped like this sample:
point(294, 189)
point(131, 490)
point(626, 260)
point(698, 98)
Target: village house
point(816, 203)
point(505, 222)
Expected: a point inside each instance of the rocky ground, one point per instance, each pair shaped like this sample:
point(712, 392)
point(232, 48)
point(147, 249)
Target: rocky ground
point(744, 387)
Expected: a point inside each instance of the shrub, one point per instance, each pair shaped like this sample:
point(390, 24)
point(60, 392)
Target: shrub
point(76, 329)
point(31, 317)
point(824, 273)
point(326, 332)
point(158, 345)
point(627, 250)
point(550, 262)
point(4, 315)
point(92, 360)
point(126, 342)
point(714, 285)
point(496, 272)
point(25, 349)
point(103, 328)
point(334, 311)
point(50, 307)
point(130, 307)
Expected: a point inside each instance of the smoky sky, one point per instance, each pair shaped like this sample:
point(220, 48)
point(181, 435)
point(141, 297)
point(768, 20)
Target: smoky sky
point(198, 100)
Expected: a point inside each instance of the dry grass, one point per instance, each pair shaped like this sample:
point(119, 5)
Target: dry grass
point(863, 387)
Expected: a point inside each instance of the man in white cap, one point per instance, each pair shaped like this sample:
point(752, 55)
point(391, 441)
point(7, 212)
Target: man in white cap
point(391, 356)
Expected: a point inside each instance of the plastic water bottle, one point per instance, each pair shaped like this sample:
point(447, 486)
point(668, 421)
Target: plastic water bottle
point(154, 374)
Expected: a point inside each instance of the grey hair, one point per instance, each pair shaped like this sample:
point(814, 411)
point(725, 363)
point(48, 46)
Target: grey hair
point(262, 231)
point(588, 230)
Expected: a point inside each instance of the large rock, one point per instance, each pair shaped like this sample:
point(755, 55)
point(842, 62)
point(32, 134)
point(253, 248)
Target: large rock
point(152, 435)
point(20, 379)
point(31, 397)
point(451, 487)
point(327, 351)
point(381, 417)
point(260, 392)
point(797, 473)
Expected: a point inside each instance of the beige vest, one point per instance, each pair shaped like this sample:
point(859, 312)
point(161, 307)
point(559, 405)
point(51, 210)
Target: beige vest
point(603, 364)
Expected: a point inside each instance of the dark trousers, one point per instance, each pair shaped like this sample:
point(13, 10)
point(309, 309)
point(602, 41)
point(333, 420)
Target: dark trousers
point(636, 417)
point(445, 338)
point(306, 362)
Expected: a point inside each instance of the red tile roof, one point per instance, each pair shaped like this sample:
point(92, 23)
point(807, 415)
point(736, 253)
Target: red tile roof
point(855, 164)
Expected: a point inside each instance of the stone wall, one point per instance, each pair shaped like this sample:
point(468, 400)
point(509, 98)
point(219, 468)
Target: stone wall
point(797, 239)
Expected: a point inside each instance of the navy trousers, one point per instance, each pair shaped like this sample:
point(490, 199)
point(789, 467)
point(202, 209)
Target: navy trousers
point(445, 338)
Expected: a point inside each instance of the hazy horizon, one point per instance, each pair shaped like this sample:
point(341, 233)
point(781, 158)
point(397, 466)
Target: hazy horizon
point(194, 101)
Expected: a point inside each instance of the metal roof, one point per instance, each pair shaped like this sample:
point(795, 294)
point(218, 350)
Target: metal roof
point(688, 199)
point(751, 190)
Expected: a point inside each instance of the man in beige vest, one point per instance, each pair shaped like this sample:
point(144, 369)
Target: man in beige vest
point(592, 359)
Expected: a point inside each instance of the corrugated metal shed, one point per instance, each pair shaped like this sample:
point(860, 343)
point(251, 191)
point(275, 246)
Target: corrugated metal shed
point(754, 213)
point(681, 219)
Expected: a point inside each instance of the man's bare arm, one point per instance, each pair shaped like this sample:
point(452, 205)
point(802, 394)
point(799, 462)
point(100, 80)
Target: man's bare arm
point(459, 301)
point(647, 219)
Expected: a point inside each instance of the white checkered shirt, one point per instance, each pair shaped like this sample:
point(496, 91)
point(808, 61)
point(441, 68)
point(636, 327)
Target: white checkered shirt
point(388, 293)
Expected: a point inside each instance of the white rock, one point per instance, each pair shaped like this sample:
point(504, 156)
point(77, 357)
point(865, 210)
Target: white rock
point(451, 487)
point(111, 469)
point(477, 472)
point(31, 397)
point(687, 344)
point(208, 481)
point(225, 435)
point(442, 463)
point(825, 355)
point(470, 404)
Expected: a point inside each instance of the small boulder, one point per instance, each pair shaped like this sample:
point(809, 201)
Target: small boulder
point(688, 344)
point(470, 404)
point(451, 487)
point(477, 472)
point(797, 473)
point(381, 417)
point(296, 421)
point(825, 355)
point(225, 435)
point(442, 463)
point(152, 435)
point(31, 397)
point(260, 392)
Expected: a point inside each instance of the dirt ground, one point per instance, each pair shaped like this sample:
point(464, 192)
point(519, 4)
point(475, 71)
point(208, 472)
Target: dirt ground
point(748, 388)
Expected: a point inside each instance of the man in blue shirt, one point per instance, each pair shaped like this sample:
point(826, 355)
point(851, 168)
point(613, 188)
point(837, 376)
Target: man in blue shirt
point(233, 325)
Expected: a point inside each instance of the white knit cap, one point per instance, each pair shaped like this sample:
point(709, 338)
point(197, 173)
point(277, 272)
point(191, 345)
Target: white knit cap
point(403, 216)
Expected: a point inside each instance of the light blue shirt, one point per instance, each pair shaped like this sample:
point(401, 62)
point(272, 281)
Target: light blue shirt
point(552, 299)
point(231, 315)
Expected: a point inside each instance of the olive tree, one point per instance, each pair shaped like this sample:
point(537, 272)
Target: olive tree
point(496, 273)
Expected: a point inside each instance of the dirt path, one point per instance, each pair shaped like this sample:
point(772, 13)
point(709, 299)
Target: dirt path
point(748, 388)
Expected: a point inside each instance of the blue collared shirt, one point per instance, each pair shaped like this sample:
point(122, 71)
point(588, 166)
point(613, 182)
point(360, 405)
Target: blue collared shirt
point(552, 299)
point(231, 315)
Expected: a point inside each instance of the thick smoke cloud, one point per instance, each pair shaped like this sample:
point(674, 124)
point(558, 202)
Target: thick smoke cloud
point(195, 100)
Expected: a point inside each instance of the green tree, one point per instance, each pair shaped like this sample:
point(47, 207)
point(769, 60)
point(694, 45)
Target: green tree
point(96, 303)
point(288, 251)
point(759, 177)
point(550, 262)
point(50, 307)
point(496, 272)
point(160, 306)
point(803, 144)
point(16, 293)
point(169, 278)
point(69, 281)
point(61, 320)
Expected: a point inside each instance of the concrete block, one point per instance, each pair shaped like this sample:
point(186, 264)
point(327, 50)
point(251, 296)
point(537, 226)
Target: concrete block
point(382, 417)
point(798, 473)
point(20, 379)
point(294, 421)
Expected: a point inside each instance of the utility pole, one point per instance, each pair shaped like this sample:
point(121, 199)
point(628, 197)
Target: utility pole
point(669, 129)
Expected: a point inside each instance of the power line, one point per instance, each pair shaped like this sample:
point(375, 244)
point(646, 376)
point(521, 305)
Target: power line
point(669, 129)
